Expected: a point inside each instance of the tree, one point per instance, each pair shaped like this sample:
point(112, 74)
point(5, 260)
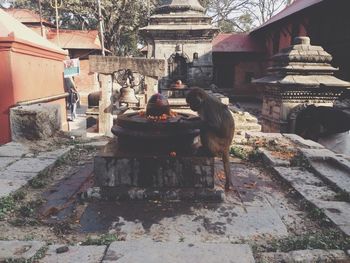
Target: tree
point(242, 15)
point(121, 19)
point(263, 10)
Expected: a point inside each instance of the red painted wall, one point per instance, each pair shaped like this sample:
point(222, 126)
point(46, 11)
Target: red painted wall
point(28, 72)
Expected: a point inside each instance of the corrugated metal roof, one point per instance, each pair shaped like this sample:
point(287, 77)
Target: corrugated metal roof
point(235, 43)
point(296, 6)
point(26, 16)
point(11, 27)
point(76, 39)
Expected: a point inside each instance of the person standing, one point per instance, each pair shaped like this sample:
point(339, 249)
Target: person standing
point(73, 97)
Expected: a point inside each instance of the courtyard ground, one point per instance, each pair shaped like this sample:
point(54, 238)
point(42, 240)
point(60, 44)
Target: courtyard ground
point(271, 216)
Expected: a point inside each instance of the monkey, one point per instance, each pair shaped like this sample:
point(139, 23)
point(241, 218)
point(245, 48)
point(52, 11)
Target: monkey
point(218, 126)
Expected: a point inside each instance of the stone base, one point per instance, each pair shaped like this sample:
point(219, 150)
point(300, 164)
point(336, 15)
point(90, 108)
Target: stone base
point(170, 194)
point(159, 177)
point(35, 122)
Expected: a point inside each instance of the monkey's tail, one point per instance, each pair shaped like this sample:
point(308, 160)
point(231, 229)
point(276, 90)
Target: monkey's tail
point(226, 161)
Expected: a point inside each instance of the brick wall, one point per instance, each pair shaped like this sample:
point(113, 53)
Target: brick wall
point(86, 82)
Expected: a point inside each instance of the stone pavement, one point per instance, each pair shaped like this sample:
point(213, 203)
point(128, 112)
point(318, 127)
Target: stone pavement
point(315, 181)
point(321, 177)
point(18, 165)
point(146, 251)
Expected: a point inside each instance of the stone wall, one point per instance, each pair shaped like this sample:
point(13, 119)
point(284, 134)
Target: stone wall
point(34, 122)
point(155, 171)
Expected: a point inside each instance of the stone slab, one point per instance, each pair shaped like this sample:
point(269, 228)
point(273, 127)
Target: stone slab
point(258, 135)
point(64, 192)
point(319, 195)
point(302, 142)
point(333, 172)
point(31, 165)
point(83, 254)
point(97, 143)
point(8, 186)
point(269, 159)
point(54, 154)
point(314, 154)
point(193, 222)
point(338, 212)
point(14, 175)
point(307, 184)
point(5, 161)
point(19, 250)
point(13, 149)
point(111, 64)
point(309, 256)
point(171, 252)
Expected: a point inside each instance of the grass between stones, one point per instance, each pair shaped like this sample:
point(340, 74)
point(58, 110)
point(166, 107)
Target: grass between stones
point(326, 240)
point(105, 239)
point(246, 154)
point(38, 255)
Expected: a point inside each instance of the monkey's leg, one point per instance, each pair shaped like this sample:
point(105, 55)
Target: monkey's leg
point(226, 161)
point(227, 170)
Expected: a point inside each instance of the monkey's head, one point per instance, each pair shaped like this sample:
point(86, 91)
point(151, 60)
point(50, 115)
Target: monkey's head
point(195, 98)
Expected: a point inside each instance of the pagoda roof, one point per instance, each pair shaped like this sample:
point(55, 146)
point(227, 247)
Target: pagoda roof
point(168, 6)
point(302, 64)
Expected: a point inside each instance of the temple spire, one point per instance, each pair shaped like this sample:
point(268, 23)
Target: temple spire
point(167, 6)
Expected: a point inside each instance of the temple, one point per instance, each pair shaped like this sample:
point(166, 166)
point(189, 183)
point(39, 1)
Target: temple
point(181, 33)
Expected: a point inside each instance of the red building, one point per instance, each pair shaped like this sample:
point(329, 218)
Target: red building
point(237, 58)
point(79, 44)
point(326, 22)
point(31, 69)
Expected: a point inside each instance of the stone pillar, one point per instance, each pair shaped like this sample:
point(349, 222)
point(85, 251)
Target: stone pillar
point(105, 108)
point(152, 86)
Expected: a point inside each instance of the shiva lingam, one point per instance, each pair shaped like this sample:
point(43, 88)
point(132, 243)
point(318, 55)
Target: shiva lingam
point(157, 130)
point(178, 85)
point(176, 90)
point(153, 157)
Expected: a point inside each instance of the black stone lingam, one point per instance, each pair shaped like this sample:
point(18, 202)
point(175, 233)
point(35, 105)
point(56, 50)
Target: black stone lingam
point(158, 130)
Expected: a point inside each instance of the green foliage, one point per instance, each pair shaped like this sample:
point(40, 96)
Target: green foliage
point(328, 239)
point(239, 152)
point(7, 205)
point(105, 239)
point(121, 19)
point(244, 154)
point(38, 255)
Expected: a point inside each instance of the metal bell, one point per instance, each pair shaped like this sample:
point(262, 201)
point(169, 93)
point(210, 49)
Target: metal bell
point(127, 95)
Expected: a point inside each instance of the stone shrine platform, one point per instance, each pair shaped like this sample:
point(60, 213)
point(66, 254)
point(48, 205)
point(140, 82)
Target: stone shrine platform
point(123, 175)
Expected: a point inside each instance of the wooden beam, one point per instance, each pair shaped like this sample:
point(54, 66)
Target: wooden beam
point(109, 65)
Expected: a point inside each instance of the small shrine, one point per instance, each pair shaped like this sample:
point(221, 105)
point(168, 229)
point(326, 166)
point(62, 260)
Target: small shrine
point(300, 76)
point(182, 34)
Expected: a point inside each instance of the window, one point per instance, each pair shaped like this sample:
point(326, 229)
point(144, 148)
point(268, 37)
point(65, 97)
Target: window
point(276, 42)
point(248, 77)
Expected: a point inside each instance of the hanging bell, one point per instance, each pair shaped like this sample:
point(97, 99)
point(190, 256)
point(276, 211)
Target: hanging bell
point(127, 95)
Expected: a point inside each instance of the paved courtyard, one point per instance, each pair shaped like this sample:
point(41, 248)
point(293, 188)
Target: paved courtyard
point(284, 205)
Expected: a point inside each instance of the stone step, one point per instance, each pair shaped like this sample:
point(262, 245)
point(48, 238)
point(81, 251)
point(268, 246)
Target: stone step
point(310, 256)
point(301, 142)
point(74, 254)
point(319, 195)
point(19, 251)
point(177, 252)
point(24, 165)
point(270, 159)
point(334, 173)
